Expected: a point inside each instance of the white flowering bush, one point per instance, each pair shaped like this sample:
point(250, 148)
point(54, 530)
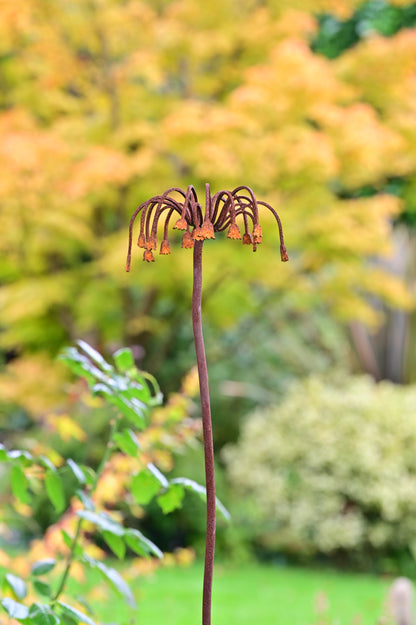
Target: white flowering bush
point(332, 468)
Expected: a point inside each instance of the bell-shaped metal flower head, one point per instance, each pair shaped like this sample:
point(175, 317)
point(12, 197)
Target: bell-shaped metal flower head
point(231, 211)
point(224, 211)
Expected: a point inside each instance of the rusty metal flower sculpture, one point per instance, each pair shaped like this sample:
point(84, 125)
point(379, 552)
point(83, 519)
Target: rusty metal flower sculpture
point(224, 211)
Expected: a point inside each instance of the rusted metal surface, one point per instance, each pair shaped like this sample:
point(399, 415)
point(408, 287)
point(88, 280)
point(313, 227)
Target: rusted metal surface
point(222, 212)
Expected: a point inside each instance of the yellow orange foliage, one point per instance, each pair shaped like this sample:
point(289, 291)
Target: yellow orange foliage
point(107, 103)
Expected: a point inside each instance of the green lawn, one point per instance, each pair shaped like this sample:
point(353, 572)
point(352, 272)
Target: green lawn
point(257, 595)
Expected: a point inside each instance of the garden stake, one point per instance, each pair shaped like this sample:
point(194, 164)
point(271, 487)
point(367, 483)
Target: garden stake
point(221, 213)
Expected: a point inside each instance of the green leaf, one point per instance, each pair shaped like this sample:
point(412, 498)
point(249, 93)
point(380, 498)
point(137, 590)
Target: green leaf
point(95, 356)
point(89, 473)
point(124, 359)
point(23, 457)
point(42, 588)
point(3, 453)
point(158, 475)
point(41, 614)
point(45, 462)
point(16, 584)
point(103, 521)
point(77, 471)
point(55, 490)
point(144, 486)
point(131, 409)
point(148, 380)
point(140, 544)
point(74, 614)
point(172, 498)
point(14, 609)
point(116, 544)
point(68, 540)
point(83, 367)
point(43, 566)
point(20, 484)
point(85, 500)
point(127, 442)
point(200, 490)
point(112, 576)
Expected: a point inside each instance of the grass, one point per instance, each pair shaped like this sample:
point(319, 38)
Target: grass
point(254, 594)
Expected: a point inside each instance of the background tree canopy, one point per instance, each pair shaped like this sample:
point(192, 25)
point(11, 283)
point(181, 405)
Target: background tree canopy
point(103, 104)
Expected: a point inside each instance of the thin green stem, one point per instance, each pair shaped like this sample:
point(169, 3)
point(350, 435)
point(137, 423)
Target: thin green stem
point(98, 473)
point(207, 433)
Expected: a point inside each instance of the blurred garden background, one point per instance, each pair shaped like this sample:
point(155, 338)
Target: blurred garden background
point(312, 364)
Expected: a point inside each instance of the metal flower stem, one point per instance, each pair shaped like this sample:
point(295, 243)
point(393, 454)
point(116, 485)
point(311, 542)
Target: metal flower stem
point(221, 213)
point(207, 432)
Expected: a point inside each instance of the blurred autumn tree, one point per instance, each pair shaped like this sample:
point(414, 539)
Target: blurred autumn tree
point(106, 102)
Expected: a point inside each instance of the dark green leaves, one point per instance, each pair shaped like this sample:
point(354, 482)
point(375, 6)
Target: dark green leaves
point(116, 544)
point(112, 576)
point(118, 537)
point(200, 490)
point(124, 360)
point(144, 486)
point(41, 614)
point(37, 614)
point(20, 484)
point(15, 609)
point(123, 386)
point(43, 566)
point(171, 499)
point(73, 614)
point(42, 588)
point(127, 442)
point(55, 490)
point(16, 585)
point(77, 471)
point(103, 521)
point(140, 544)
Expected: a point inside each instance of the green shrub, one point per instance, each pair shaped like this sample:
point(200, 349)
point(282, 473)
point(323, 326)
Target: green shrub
point(331, 469)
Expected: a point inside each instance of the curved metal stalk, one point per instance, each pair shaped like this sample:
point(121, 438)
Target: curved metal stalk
point(221, 213)
point(207, 432)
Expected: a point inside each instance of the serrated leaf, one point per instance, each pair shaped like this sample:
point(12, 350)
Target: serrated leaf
point(123, 359)
point(140, 544)
point(43, 566)
point(103, 521)
point(41, 614)
point(55, 490)
point(20, 483)
point(112, 576)
point(77, 471)
point(75, 614)
point(127, 442)
point(15, 609)
point(202, 492)
point(16, 585)
point(144, 486)
point(172, 498)
point(116, 544)
point(42, 588)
